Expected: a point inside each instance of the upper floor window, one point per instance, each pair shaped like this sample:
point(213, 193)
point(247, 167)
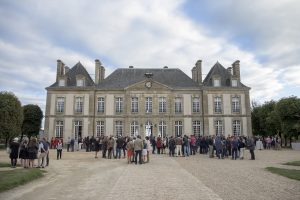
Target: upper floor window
point(60, 104)
point(61, 82)
point(218, 105)
point(80, 82)
point(148, 105)
point(162, 104)
point(217, 82)
point(178, 105)
point(236, 127)
point(100, 128)
point(196, 105)
point(134, 105)
point(79, 104)
point(219, 127)
point(100, 105)
point(234, 83)
point(235, 104)
point(119, 104)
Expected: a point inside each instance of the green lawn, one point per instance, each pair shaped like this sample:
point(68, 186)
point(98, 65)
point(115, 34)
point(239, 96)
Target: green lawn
point(13, 178)
point(289, 173)
point(7, 165)
point(294, 163)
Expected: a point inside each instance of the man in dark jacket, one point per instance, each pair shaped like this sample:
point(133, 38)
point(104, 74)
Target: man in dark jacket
point(14, 152)
point(250, 144)
point(172, 146)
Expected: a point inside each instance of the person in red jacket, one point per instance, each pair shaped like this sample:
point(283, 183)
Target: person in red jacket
point(158, 144)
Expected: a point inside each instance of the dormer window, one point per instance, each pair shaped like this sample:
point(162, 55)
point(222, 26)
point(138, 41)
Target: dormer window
point(217, 83)
point(234, 83)
point(61, 83)
point(80, 82)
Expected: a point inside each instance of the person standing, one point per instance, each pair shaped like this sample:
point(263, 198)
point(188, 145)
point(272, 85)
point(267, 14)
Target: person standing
point(24, 153)
point(138, 147)
point(110, 146)
point(68, 144)
point(148, 148)
point(172, 146)
point(14, 152)
point(178, 143)
point(251, 147)
point(129, 147)
point(119, 146)
point(104, 146)
point(234, 146)
point(59, 149)
point(42, 155)
point(97, 147)
point(72, 144)
point(32, 152)
point(242, 148)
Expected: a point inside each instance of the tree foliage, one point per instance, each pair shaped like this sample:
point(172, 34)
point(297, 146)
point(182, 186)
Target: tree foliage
point(33, 116)
point(11, 116)
point(277, 118)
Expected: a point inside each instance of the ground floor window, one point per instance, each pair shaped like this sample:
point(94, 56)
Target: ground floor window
point(236, 127)
point(78, 129)
point(196, 127)
point(99, 128)
point(134, 129)
point(162, 129)
point(218, 127)
point(119, 128)
point(178, 128)
point(59, 129)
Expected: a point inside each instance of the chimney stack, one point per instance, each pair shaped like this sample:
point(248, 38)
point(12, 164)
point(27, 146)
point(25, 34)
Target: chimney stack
point(197, 72)
point(99, 72)
point(236, 69)
point(60, 69)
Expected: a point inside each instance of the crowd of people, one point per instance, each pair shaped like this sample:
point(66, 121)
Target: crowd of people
point(138, 150)
point(28, 151)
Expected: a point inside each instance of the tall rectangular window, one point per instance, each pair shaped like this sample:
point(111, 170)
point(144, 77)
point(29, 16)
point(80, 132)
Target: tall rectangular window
point(236, 127)
point(100, 105)
point(59, 129)
point(162, 129)
point(60, 104)
point(119, 127)
point(134, 105)
point(79, 104)
point(119, 104)
point(148, 105)
point(162, 104)
point(196, 127)
point(219, 127)
point(235, 104)
point(61, 82)
point(100, 128)
point(78, 129)
point(178, 105)
point(134, 129)
point(196, 105)
point(178, 128)
point(218, 104)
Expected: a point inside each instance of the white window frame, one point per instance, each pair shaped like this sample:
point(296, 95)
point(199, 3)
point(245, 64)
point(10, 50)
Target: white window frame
point(162, 128)
point(134, 104)
point(236, 127)
point(78, 128)
point(80, 82)
point(234, 82)
point(79, 104)
point(235, 104)
point(217, 82)
point(134, 129)
point(61, 83)
point(59, 129)
point(162, 104)
point(178, 128)
point(119, 127)
point(217, 104)
point(60, 104)
point(100, 104)
point(178, 105)
point(196, 127)
point(119, 104)
point(100, 128)
point(196, 104)
point(148, 105)
point(219, 129)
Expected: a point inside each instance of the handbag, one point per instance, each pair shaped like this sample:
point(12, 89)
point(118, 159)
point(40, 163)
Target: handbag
point(8, 150)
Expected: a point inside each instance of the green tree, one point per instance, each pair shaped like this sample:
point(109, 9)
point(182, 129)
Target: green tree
point(33, 116)
point(288, 110)
point(11, 116)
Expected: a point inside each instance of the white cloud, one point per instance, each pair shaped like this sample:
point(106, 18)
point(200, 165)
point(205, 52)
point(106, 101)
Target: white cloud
point(119, 33)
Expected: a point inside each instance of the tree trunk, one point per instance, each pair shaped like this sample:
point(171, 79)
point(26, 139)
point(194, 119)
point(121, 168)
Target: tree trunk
point(285, 140)
point(291, 141)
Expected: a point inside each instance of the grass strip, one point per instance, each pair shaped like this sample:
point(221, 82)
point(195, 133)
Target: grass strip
point(293, 163)
point(13, 178)
point(289, 173)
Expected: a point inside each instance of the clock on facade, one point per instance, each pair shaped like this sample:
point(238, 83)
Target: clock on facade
point(148, 84)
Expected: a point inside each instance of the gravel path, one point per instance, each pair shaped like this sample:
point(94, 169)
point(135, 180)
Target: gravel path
point(80, 176)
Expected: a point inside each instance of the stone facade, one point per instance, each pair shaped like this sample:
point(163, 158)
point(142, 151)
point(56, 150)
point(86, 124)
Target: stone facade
point(79, 107)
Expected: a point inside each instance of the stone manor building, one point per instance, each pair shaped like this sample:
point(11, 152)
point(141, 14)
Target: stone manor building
point(158, 101)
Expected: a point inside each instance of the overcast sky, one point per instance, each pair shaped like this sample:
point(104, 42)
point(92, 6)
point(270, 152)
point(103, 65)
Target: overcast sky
point(264, 35)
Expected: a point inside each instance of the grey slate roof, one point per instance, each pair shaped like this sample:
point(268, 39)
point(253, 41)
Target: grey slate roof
point(220, 71)
point(78, 69)
point(124, 77)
